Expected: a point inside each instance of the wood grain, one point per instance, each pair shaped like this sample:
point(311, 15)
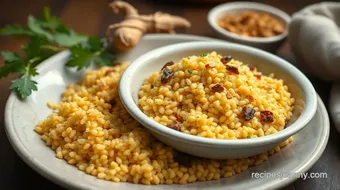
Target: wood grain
point(92, 17)
point(84, 16)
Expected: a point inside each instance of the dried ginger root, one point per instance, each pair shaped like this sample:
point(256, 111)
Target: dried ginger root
point(128, 32)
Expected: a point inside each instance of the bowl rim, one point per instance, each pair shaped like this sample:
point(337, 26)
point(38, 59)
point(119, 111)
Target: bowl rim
point(215, 12)
point(128, 102)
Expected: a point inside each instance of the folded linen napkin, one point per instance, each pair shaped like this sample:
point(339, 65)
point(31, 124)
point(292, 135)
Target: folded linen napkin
point(315, 41)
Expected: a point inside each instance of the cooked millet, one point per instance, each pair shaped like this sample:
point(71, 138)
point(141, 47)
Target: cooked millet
point(211, 99)
point(91, 130)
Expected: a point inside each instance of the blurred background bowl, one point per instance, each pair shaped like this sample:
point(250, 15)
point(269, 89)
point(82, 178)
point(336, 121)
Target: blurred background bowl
point(270, 44)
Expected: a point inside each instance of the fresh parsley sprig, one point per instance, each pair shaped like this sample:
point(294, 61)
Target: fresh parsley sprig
point(47, 36)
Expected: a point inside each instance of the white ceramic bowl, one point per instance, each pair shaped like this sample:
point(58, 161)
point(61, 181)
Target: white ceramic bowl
point(299, 86)
point(270, 44)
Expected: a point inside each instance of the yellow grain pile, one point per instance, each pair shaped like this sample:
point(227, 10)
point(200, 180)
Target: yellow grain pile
point(216, 97)
point(91, 130)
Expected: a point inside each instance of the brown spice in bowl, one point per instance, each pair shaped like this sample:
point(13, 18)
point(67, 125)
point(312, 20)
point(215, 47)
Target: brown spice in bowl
point(252, 24)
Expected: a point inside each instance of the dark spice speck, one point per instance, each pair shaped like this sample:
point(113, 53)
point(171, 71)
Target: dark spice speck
point(248, 113)
point(267, 116)
point(252, 67)
point(166, 76)
point(217, 88)
point(232, 69)
point(168, 64)
point(209, 65)
point(226, 59)
point(258, 76)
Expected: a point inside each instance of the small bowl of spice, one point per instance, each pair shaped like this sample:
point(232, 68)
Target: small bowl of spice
point(249, 23)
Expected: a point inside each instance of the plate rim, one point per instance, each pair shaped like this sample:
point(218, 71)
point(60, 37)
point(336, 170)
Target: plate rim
point(52, 176)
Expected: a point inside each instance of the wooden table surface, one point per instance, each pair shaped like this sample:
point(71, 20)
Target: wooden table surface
point(92, 17)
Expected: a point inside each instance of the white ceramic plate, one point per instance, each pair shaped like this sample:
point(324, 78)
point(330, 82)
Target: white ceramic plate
point(22, 116)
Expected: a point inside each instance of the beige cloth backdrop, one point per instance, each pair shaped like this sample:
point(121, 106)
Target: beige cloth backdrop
point(315, 41)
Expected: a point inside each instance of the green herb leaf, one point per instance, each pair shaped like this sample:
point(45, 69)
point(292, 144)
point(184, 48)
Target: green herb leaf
point(32, 49)
point(24, 86)
point(36, 26)
point(93, 51)
point(31, 70)
point(47, 14)
point(101, 61)
point(79, 50)
point(15, 30)
point(80, 58)
point(50, 22)
point(94, 43)
point(104, 59)
point(11, 68)
point(60, 33)
point(62, 29)
point(189, 71)
point(13, 64)
point(80, 62)
point(37, 50)
point(48, 36)
point(50, 25)
point(10, 56)
point(203, 54)
point(68, 40)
